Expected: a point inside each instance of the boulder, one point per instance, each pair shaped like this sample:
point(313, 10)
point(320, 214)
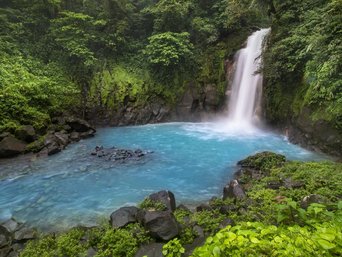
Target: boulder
point(87, 134)
point(10, 146)
point(161, 224)
point(226, 209)
point(5, 237)
point(165, 197)
point(150, 250)
point(25, 234)
point(75, 136)
point(11, 225)
point(4, 134)
point(62, 138)
point(289, 183)
point(123, 216)
point(79, 125)
point(26, 133)
point(233, 190)
point(224, 223)
point(4, 252)
point(307, 200)
point(183, 208)
point(51, 145)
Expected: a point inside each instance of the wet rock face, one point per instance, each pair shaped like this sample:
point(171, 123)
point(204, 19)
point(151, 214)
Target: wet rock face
point(119, 155)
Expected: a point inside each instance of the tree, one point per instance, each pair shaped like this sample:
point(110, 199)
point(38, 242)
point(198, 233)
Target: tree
point(77, 35)
point(170, 15)
point(169, 53)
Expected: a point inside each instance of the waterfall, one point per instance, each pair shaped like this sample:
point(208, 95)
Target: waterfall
point(245, 96)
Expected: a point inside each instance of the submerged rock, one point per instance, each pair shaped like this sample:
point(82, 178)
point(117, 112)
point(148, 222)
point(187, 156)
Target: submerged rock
point(119, 155)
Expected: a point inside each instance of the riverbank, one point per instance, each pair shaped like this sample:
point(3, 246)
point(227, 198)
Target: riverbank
point(267, 189)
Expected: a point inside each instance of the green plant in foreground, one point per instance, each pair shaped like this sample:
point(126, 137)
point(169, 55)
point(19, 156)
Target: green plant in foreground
point(173, 248)
point(257, 239)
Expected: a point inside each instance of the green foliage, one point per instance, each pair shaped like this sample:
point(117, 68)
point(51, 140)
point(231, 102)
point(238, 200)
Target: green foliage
point(263, 161)
point(257, 239)
point(117, 242)
point(148, 204)
point(323, 178)
point(208, 220)
point(31, 91)
point(169, 53)
point(68, 244)
point(303, 60)
point(170, 15)
point(173, 248)
point(108, 242)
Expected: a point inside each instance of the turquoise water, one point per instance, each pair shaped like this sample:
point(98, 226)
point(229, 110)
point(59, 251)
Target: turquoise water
point(73, 188)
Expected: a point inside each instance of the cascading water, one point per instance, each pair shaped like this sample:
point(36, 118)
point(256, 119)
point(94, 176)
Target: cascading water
point(244, 103)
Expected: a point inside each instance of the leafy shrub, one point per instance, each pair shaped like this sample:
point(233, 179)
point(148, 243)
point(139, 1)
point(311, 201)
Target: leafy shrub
point(173, 248)
point(117, 242)
point(257, 239)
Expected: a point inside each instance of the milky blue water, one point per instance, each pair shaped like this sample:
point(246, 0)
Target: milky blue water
point(72, 188)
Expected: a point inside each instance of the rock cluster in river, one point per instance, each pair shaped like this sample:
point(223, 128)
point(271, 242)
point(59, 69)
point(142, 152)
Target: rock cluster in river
point(119, 155)
point(61, 132)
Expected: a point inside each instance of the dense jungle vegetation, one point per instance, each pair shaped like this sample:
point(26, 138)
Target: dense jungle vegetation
point(76, 55)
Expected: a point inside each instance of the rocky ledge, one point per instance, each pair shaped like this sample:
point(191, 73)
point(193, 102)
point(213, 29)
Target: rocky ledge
point(60, 133)
point(13, 236)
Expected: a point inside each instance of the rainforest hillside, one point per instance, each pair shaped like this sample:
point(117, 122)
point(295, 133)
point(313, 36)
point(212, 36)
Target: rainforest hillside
point(135, 60)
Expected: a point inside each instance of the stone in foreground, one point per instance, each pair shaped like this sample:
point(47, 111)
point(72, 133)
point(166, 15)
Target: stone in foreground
point(165, 197)
point(161, 224)
point(123, 216)
point(233, 190)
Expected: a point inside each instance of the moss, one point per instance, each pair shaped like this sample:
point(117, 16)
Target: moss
point(36, 146)
point(148, 204)
point(263, 161)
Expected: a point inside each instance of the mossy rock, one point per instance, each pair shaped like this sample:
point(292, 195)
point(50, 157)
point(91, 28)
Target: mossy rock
point(263, 161)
